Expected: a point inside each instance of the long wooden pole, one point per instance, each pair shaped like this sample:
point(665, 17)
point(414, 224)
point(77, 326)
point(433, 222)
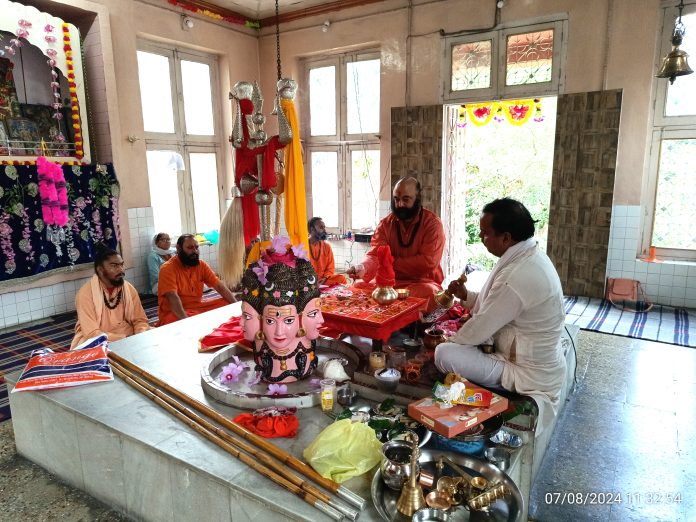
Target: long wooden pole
point(246, 459)
point(262, 457)
point(258, 441)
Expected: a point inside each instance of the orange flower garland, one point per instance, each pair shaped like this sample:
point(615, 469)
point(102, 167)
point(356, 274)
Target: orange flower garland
point(72, 87)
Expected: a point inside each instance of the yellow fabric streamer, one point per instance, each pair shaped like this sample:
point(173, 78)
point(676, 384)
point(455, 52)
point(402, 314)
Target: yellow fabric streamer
point(295, 204)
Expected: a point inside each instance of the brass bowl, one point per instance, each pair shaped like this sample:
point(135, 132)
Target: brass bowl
point(403, 293)
point(438, 499)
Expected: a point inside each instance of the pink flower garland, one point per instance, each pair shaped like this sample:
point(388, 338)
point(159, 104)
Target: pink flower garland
point(55, 85)
point(54, 194)
point(21, 32)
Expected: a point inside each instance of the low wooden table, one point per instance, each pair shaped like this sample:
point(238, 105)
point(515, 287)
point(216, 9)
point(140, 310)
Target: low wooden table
point(359, 314)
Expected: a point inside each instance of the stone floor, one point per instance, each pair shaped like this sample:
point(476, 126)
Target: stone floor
point(629, 429)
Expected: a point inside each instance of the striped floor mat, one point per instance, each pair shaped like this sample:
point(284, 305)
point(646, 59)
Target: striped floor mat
point(56, 334)
point(663, 323)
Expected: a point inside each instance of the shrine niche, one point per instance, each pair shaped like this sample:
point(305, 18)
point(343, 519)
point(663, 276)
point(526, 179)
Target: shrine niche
point(42, 92)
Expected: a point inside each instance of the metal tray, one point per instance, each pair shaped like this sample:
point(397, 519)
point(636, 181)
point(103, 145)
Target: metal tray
point(507, 509)
point(301, 394)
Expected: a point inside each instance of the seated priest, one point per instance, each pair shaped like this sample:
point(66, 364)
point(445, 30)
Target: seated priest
point(321, 254)
point(416, 239)
point(519, 308)
point(181, 280)
point(108, 303)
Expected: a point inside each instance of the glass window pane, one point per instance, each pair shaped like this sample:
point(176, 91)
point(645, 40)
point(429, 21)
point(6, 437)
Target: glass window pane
point(322, 102)
point(155, 92)
point(204, 181)
point(680, 95)
point(471, 66)
point(676, 193)
point(362, 89)
point(325, 186)
point(529, 58)
point(364, 188)
point(164, 190)
point(198, 103)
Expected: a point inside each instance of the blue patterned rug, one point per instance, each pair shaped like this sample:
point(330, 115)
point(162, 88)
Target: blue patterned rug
point(662, 323)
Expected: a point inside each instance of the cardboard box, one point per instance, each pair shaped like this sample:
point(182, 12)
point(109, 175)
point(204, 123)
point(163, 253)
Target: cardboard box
point(457, 419)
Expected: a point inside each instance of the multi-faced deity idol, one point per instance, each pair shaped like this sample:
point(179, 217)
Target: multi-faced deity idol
point(281, 312)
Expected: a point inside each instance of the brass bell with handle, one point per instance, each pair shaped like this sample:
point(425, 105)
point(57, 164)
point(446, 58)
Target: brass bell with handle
point(445, 298)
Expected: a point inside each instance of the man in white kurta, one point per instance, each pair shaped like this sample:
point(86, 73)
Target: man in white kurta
point(520, 308)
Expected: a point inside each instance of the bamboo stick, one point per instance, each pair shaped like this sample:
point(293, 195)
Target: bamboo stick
point(258, 441)
point(264, 458)
point(246, 459)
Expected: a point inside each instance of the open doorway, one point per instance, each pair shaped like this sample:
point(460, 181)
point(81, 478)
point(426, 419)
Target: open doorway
point(495, 149)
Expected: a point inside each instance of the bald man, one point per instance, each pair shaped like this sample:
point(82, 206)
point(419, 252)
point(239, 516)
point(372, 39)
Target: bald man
point(416, 238)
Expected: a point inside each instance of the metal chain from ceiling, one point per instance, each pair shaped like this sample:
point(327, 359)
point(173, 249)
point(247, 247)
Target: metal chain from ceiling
point(280, 75)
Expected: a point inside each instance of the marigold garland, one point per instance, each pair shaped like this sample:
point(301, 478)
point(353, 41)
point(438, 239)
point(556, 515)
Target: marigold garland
point(516, 112)
point(72, 87)
point(186, 6)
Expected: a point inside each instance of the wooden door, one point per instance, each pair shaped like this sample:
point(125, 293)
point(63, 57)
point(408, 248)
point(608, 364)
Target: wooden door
point(582, 189)
point(416, 150)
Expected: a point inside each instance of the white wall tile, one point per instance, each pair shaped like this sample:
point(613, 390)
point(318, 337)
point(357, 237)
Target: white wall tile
point(23, 307)
point(667, 268)
point(653, 279)
point(619, 211)
point(679, 291)
point(681, 270)
point(8, 299)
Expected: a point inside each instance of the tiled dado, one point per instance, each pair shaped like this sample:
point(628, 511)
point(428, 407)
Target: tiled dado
point(40, 303)
point(664, 283)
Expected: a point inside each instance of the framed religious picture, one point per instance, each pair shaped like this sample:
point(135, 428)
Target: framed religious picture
point(8, 93)
point(4, 140)
point(42, 115)
point(25, 134)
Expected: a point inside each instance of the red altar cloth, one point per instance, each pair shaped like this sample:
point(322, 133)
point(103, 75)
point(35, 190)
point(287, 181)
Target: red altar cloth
point(227, 333)
point(359, 314)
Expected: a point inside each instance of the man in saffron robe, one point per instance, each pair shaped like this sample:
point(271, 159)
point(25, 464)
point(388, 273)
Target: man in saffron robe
point(180, 287)
point(108, 303)
point(416, 238)
point(321, 254)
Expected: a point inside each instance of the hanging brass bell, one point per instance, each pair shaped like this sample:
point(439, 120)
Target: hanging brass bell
point(675, 63)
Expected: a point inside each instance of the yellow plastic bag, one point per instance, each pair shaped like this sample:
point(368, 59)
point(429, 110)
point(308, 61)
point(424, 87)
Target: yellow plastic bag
point(344, 450)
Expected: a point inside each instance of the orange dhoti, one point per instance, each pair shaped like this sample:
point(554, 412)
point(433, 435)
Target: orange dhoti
point(187, 282)
point(322, 259)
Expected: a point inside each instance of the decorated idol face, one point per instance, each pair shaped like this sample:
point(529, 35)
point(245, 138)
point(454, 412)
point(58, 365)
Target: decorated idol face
point(280, 325)
point(250, 321)
point(312, 318)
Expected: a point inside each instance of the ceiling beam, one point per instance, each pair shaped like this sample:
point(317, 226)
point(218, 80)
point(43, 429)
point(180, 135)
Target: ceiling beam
point(323, 9)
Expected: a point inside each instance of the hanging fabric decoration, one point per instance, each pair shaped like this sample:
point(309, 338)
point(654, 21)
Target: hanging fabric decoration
point(515, 112)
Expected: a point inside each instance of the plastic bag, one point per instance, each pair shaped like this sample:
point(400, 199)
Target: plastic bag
point(344, 450)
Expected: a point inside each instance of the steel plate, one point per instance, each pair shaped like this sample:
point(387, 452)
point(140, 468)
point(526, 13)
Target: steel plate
point(507, 509)
point(301, 394)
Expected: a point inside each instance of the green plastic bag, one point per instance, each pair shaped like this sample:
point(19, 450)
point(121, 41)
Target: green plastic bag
point(344, 450)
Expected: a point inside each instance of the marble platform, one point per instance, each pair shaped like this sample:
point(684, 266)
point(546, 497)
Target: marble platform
point(126, 451)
